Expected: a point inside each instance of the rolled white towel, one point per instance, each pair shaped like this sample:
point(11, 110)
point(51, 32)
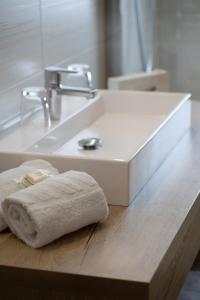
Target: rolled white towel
point(9, 180)
point(52, 208)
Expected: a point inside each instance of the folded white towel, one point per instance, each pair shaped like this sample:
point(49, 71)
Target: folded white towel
point(9, 178)
point(52, 208)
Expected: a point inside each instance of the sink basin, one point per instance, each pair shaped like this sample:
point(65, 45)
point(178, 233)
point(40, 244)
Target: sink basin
point(14, 130)
point(137, 131)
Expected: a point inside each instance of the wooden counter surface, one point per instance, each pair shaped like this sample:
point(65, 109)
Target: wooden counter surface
point(141, 252)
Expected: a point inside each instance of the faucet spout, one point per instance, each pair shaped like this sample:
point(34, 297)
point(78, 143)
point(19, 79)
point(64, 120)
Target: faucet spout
point(78, 91)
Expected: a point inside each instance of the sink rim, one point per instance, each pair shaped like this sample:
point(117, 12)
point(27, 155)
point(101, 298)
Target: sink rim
point(100, 94)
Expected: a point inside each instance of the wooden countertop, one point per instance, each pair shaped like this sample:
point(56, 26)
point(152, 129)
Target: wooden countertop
point(144, 250)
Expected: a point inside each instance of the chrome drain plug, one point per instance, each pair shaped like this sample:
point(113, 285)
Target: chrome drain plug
point(90, 143)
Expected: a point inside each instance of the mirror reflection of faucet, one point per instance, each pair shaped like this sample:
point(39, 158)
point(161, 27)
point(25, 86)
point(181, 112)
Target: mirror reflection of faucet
point(50, 95)
point(37, 96)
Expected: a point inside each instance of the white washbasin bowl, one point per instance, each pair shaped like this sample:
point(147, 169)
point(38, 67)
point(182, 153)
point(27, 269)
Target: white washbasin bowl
point(137, 129)
point(18, 136)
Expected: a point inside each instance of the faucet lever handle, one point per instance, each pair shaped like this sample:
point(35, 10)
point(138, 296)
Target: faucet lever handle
point(82, 69)
point(55, 69)
point(52, 74)
point(79, 68)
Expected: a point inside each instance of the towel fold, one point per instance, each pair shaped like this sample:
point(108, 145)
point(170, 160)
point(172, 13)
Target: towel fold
point(52, 208)
point(9, 181)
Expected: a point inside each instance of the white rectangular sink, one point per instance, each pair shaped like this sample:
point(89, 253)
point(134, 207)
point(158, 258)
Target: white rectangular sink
point(137, 130)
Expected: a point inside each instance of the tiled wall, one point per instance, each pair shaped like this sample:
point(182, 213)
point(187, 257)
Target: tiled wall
point(38, 33)
point(179, 43)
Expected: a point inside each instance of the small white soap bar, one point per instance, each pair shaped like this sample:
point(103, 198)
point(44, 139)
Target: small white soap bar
point(33, 177)
point(36, 176)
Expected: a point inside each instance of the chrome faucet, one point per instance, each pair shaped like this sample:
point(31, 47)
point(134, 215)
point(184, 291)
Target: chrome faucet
point(55, 89)
point(50, 96)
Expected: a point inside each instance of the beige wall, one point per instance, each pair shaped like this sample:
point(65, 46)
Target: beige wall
point(38, 33)
point(178, 38)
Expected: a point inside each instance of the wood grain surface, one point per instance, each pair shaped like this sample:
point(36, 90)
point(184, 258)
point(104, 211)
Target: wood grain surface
point(141, 252)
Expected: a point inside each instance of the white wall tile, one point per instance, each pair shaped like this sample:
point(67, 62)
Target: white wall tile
point(20, 41)
point(70, 27)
